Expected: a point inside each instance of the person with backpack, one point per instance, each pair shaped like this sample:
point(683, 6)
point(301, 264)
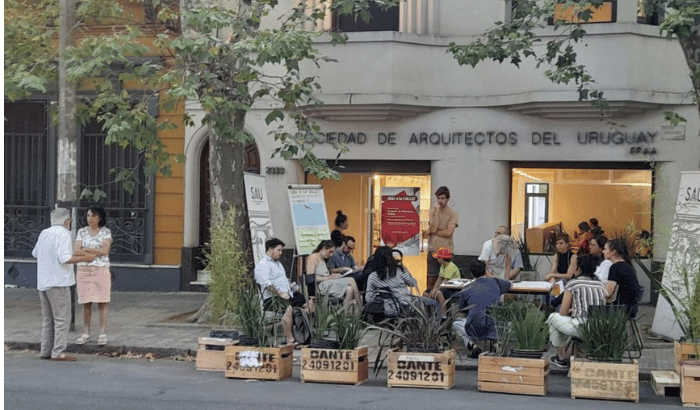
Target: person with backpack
point(277, 290)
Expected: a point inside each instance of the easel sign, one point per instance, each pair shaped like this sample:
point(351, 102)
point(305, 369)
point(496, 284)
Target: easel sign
point(258, 213)
point(308, 207)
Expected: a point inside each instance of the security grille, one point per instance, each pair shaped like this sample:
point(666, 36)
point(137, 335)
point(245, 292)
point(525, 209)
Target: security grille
point(28, 188)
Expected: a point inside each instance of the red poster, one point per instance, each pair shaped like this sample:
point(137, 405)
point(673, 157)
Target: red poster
point(401, 219)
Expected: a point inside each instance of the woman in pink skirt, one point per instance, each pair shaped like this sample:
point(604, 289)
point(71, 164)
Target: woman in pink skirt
point(94, 279)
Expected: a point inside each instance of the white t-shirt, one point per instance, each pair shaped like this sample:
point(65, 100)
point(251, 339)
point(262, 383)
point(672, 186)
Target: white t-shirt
point(497, 264)
point(94, 242)
point(601, 272)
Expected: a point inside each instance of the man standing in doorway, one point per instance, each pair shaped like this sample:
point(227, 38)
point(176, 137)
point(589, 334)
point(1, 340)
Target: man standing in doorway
point(501, 263)
point(54, 277)
point(441, 228)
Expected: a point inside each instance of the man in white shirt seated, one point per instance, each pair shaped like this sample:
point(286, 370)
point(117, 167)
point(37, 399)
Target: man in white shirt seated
point(273, 282)
point(502, 256)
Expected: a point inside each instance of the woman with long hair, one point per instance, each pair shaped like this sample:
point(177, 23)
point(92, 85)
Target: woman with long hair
point(93, 278)
point(583, 238)
point(389, 275)
point(622, 284)
point(331, 284)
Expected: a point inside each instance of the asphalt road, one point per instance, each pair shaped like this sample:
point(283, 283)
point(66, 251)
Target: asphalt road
point(96, 382)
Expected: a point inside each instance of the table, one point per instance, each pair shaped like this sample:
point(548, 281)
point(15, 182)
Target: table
point(524, 288)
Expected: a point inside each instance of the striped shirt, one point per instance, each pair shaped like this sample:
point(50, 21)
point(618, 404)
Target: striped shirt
point(398, 286)
point(585, 292)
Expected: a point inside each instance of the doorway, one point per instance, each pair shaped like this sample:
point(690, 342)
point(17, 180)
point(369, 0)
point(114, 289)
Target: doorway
point(359, 196)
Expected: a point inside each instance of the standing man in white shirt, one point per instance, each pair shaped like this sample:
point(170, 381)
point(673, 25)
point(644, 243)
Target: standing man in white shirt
point(54, 274)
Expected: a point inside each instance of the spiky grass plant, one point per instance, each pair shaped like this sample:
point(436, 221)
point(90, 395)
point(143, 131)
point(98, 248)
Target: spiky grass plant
point(323, 317)
point(229, 272)
point(604, 333)
point(348, 326)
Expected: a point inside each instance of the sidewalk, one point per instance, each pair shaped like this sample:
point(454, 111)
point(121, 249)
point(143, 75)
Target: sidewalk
point(153, 322)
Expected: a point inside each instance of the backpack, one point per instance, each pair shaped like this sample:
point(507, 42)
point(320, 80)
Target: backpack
point(301, 326)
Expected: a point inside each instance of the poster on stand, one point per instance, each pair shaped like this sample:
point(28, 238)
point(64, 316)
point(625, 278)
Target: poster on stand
point(683, 256)
point(309, 217)
point(401, 219)
point(258, 213)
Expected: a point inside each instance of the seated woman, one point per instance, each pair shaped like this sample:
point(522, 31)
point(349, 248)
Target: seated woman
point(389, 275)
point(582, 238)
point(601, 272)
point(328, 284)
point(622, 285)
point(580, 293)
point(563, 266)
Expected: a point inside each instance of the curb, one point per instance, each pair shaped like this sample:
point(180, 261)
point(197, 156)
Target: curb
point(157, 352)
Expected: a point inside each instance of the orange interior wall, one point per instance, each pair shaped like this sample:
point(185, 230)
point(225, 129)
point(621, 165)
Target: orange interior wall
point(349, 195)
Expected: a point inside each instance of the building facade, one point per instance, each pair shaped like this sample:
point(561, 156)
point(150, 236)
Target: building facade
point(513, 148)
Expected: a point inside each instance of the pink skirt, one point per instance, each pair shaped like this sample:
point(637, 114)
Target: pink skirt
point(94, 284)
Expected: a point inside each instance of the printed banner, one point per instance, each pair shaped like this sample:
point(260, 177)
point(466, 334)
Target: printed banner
point(258, 213)
point(401, 219)
point(683, 256)
point(309, 218)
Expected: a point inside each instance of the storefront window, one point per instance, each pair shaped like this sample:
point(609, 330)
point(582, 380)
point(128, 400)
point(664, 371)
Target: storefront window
point(547, 201)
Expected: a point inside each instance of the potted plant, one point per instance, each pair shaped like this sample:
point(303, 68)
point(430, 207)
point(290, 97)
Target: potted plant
point(603, 374)
point(258, 354)
point(321, 323)
point(346, 361)
point(529, 271)
point(516, 365)
point(420, 352)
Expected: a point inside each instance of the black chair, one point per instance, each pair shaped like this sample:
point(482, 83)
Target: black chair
point(374, 312)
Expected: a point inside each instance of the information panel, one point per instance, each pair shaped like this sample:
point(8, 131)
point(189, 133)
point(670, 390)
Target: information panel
point(309, 218)
point(401, 219)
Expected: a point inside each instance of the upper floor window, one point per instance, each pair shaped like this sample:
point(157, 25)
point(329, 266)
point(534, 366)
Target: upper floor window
point(381, 20)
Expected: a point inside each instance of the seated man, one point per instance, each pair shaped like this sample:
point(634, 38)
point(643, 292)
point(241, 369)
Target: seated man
point(342, 261)
point(270, 276)
point(473, 301)
point(448, 270)
point(502, 255)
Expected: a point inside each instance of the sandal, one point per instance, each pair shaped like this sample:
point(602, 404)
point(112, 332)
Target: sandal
point(102, 340)
point(83, 339)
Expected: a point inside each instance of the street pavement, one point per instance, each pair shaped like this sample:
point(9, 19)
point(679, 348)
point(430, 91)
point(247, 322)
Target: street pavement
point(97, 382)
point(153, 322)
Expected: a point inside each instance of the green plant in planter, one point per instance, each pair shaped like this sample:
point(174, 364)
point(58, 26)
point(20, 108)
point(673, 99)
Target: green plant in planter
point(322, 318)
point(525, 253)
point(530, 328)
point(604, 333)
point(349, 328)
point(253, 321)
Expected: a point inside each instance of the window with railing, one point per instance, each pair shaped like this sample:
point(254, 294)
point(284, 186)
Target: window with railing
point(381, 20)
point(129, 214)
point(28, 187)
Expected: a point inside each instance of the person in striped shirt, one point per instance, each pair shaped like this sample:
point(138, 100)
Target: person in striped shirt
point(580, 293)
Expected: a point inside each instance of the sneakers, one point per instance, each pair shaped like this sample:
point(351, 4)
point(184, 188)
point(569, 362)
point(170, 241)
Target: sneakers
point(560, 363)
point(83, 339)
point(474, 350)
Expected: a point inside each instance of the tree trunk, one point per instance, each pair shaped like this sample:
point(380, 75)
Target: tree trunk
point(227, 161)
point(691, 49)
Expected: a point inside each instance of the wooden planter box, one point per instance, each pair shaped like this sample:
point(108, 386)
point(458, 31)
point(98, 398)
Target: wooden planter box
point(250, 362)
point(684, 351)
point(211, 354)
point(513, 375)
point(428, 370)
point(334, 366)
point(604, 380)
point(690, 385)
